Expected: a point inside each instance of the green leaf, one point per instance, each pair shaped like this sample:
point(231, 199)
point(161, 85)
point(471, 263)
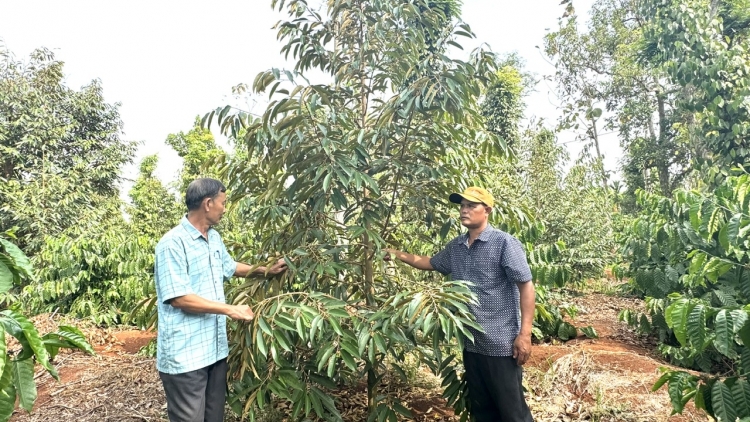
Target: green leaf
point(723, 402)
point(3, 350)
point(325, 356)
point(348, 360)
point(23, 380)
point(695, 220)
point(260, 343)
point(31, 337)
point(724, 340)
point(7, 390)
point(281, 339)
point(723, 239)
point(741, 394)
point(364, 336)
point(75, 338)
point(733, 229)
point(696, 326)
point(666, 376)
point(380, 342)
point(6, 278)
point(589, 332)
point(315, 325)
point(331, 366)
point(676, 316)
point(566, 331)
point(264, 326)
point(398, 407)
point(18, 257)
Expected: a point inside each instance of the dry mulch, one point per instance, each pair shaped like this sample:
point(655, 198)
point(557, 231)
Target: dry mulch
point(604, 379)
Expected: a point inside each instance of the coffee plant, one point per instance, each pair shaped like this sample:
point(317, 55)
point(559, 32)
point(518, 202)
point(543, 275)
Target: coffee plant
point(17, 382)
point(689, 255)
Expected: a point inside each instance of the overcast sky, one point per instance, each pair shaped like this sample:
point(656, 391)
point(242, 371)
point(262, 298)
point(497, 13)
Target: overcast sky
point(167, 61)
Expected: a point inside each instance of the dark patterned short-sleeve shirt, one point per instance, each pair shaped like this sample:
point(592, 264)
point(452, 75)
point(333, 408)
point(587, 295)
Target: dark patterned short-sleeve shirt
point(494, 263)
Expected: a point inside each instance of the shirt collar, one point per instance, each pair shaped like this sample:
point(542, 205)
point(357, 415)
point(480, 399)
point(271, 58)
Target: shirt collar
point(190, 228)
point(484, 236)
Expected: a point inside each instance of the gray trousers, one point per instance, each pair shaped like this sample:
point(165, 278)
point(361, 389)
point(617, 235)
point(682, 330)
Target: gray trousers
point(495, 385)
point(197, 396)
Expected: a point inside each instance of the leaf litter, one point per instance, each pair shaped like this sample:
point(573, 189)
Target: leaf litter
point(605, 379)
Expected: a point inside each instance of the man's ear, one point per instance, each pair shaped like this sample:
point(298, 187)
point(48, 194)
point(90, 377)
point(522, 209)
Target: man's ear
point(489, 210)
point(204, 204)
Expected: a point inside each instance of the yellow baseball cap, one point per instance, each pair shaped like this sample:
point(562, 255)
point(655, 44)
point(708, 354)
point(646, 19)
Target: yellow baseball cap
point(473, 194)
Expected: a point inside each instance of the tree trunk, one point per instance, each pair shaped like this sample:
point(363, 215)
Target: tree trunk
point(595, 137)
point(662, 161)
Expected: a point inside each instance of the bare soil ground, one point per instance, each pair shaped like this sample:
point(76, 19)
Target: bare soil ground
point(604, 379)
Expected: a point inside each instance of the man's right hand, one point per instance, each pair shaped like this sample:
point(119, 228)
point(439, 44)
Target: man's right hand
point(240, 312)
point(416, 261)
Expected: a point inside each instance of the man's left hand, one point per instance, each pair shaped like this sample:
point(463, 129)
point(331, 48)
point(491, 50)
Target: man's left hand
point(522, 348)
point(278, 267)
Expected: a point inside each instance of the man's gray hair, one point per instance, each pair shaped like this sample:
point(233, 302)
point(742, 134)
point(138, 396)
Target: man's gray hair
point(200, 189)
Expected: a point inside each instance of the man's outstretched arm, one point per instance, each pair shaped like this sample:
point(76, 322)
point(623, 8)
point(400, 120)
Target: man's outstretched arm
point(417, 261)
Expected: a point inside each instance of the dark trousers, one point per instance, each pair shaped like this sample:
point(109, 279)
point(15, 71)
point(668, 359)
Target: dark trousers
point(197, 396)
point(495, 389)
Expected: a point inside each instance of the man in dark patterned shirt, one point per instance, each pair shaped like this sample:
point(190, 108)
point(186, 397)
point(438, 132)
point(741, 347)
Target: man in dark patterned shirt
point(495, 263)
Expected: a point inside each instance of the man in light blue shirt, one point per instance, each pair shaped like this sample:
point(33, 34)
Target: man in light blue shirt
point(191, 266)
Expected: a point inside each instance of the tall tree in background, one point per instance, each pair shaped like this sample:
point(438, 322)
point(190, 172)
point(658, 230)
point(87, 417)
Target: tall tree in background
point(197, 148)
point(154, 209)
point(604, 86)
point(502, 106)
point(703, 49)
point(60, 150)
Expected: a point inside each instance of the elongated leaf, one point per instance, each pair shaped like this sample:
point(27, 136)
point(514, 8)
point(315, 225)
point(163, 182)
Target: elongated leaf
point(741, 395)
point(67, 336)
point(723, 402)
point(696, 326)
point(23, 380)
point(662, 380)
point(676, 316)
point(6, 278)
point(3, 350)
point(260, 343)
point(324, 356)
point(18, 256)
point(744, 282)
point(733, 229)
point(7, 390)
point(724, 340)
point(681, 387)
point(364, 336)
point(33, 339)
point(348, 360)
point(589, 332)
point(745, 361)
point(398, 407)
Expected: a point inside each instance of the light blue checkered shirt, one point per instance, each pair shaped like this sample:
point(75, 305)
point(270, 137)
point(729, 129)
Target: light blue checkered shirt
point(186, 263)
point(494, 263)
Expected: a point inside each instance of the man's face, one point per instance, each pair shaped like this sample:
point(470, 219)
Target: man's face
point(216, 208)
point(473, 214)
